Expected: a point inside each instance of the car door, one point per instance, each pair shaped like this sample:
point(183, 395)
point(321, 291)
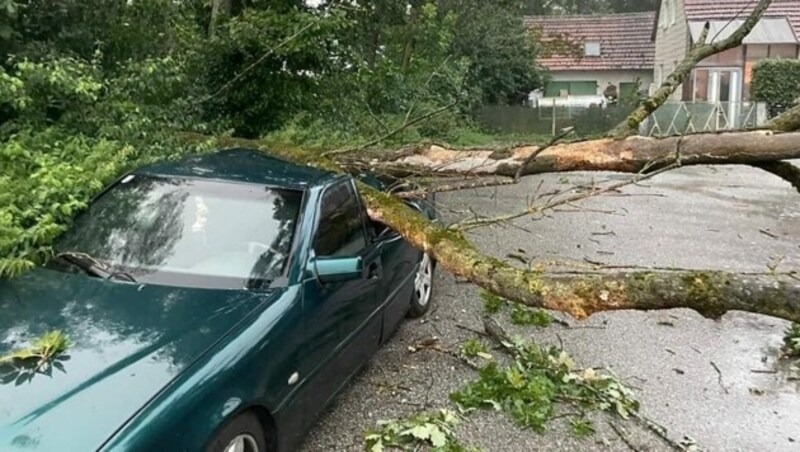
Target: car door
point(342, 319)
point(399, 260)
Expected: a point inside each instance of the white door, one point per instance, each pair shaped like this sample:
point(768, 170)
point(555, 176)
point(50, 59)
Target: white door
point(722, 87)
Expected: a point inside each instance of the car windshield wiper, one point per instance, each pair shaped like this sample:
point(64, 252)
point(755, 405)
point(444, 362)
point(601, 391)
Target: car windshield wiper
point(92, 266)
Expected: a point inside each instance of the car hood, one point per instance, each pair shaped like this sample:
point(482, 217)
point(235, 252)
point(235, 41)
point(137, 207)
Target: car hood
point(127, 341)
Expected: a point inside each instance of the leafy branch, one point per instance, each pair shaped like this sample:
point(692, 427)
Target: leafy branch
point(41, 354)
point(536, 380)
point(432, 430)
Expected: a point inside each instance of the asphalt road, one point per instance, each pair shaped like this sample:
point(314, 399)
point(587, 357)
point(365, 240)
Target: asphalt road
point(734, 218)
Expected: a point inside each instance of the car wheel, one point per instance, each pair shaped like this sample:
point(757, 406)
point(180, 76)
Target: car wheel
point(423, 287)
point(244, 433)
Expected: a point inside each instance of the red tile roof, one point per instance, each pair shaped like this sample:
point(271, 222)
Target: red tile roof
point(625, 40)
point(728, 9)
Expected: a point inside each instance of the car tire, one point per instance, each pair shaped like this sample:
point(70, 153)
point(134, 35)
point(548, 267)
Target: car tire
point(244, 433)
point(422, 296)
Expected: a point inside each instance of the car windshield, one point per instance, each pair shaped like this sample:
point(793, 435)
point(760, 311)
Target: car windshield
point(187, 232)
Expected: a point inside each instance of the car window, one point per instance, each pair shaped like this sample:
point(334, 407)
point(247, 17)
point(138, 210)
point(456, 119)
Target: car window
point(190, 233)
point(340, 231)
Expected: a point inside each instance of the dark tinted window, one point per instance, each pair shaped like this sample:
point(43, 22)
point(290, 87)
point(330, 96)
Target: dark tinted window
point(340, 231)
point(185, 232)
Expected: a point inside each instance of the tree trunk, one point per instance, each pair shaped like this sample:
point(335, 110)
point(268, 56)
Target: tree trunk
point(630, 155)
point(219, 9)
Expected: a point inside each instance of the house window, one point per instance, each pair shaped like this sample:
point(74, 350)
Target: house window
point(701, 85)
point(783, 51)
point(591, 49)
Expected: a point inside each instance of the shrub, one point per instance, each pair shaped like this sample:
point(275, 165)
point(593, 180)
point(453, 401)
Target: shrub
point(776, 82)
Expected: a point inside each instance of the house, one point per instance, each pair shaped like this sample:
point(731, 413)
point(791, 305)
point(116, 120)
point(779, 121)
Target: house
point(723, 78)
point(590, 53)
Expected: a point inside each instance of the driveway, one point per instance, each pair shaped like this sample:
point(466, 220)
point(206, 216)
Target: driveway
point(718, 382)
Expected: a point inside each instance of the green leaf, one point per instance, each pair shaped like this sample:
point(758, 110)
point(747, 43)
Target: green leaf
point(438, 438)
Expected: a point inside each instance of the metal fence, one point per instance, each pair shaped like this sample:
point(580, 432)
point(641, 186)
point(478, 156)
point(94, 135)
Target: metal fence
point(677, 118)
point(672, 118)
point(549, 120)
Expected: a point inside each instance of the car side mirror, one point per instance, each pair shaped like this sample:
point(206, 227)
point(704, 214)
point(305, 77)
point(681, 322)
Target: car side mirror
point(336, 269)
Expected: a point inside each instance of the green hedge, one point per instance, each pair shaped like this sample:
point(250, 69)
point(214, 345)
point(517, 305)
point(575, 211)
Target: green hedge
point(776, 82)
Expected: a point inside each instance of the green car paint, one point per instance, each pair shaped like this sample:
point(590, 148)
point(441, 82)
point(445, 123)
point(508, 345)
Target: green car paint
point(162, 367)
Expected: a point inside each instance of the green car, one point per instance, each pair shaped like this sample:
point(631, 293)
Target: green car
point(215, 303)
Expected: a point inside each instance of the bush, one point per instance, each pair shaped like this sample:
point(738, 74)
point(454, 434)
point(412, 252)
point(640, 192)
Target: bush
point(67, 130)
point(776, 82)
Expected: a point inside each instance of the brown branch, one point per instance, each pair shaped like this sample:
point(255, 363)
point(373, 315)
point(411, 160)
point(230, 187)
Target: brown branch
point(630, 125)
point(560, 202)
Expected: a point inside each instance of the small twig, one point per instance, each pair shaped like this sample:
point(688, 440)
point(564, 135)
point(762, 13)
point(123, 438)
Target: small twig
point(623, 436)
point(768, 234)
point(471, 330)
point(659, 431)
point(719, 377)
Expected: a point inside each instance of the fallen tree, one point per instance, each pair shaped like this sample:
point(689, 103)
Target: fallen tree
point(711, 293)
point(630, 155)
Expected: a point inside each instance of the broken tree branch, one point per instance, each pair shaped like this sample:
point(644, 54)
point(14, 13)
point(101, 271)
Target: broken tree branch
point(788, 121)
point(709, 293)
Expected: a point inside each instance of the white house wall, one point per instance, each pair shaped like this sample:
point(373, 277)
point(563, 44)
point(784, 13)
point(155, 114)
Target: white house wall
point(672, 41)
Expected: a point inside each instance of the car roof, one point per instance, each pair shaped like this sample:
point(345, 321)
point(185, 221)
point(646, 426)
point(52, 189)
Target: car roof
point(241, 165)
